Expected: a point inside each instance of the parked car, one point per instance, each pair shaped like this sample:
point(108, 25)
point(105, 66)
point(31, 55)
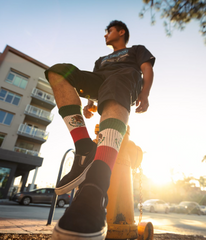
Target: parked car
point(42, 195)
point(172, 207)
point(155, 205)
point(188, 208)
point(203, 209)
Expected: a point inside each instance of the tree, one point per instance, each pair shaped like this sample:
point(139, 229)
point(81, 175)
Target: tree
point(186, 183)
point(202, 182)
point(177, 13)
point(204, 159)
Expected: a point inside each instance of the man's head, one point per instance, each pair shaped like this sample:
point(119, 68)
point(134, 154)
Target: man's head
point(119, 26)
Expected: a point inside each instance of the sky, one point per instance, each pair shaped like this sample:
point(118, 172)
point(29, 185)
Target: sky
point(172, 132)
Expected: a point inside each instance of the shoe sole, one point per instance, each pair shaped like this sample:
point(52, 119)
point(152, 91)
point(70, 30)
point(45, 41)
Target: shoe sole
point(61, 234)
point(74, 183)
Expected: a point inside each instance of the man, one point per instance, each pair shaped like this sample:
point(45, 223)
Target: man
point(116, 84)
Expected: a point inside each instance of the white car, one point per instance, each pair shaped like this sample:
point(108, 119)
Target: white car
point(155, 205)
point(203, 209)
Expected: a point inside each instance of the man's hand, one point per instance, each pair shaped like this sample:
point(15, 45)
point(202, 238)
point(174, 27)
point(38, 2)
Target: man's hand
point(142, 103)
point(87, 113)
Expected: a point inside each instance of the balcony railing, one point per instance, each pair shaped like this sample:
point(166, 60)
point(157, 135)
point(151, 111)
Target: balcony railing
point(43, 95)
point(39, 113)
point(26, 151)
point(33, 132)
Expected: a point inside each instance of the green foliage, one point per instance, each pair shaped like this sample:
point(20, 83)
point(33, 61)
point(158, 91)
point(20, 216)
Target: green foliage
point(202, 182)
point(177, 13)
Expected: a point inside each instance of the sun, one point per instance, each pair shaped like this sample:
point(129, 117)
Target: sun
point(160, 178)
point(159, 174)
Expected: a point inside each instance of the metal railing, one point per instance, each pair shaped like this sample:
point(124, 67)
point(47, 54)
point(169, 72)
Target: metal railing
point(32, 131)
point(43, 95)
point(54, 199)
point(26, 151)
point(38, 112)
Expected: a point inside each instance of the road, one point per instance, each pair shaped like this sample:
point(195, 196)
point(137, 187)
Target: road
point(175, 223)
point(172, 222)
point(33, 211)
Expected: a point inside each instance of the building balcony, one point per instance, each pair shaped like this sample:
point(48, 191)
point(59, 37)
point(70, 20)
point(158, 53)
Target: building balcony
point(31, 133)
point(43, 99)
point(26, 151)
point(38, 115)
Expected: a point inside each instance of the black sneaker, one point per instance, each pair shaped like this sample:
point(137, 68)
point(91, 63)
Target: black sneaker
point(85, 218)
point(77, 174)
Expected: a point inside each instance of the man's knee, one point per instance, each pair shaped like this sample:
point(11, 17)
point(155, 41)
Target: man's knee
point(113, 109)
point(54, 78)
point(60, 70)
point(53, 75)
point(112, 105)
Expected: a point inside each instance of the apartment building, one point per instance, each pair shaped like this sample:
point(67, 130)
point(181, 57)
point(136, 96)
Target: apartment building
point(26, 101)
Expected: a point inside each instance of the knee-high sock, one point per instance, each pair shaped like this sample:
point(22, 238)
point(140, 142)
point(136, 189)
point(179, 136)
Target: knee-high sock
point(111, 133)
point(72, 115)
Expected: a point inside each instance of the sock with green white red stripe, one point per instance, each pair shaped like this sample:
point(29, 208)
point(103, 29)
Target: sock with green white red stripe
point(111, 133)
point(72, 115)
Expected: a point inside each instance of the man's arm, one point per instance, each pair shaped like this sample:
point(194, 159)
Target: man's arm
point(142, 102)
point(87, 113)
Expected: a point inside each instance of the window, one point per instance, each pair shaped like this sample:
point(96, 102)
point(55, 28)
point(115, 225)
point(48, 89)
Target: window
point(17, 79)
point(50, 191)
point(41, 191)
point(4, 176)
point(26, 145)
point(2, 136)
point(5, 117)
point(9, 97)
point(30, 129)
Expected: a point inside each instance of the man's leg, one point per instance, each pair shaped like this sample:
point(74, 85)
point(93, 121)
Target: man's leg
point(112, 109)
point(112, 129)
point(86, 216)
point(70, 109)
point(111, 132)
point(64, 93)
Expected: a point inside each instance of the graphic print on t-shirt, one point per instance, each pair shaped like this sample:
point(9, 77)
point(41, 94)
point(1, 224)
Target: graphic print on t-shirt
point(115, 57)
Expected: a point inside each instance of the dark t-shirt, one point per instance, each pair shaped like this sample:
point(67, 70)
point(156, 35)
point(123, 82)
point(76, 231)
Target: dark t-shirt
point(124, 58)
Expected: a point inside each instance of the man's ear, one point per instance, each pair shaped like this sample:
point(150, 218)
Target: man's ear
point(121, 32)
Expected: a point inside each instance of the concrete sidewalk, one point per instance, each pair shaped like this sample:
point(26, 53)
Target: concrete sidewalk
point(25, 226)
point(31, 227)
point(34, 226)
